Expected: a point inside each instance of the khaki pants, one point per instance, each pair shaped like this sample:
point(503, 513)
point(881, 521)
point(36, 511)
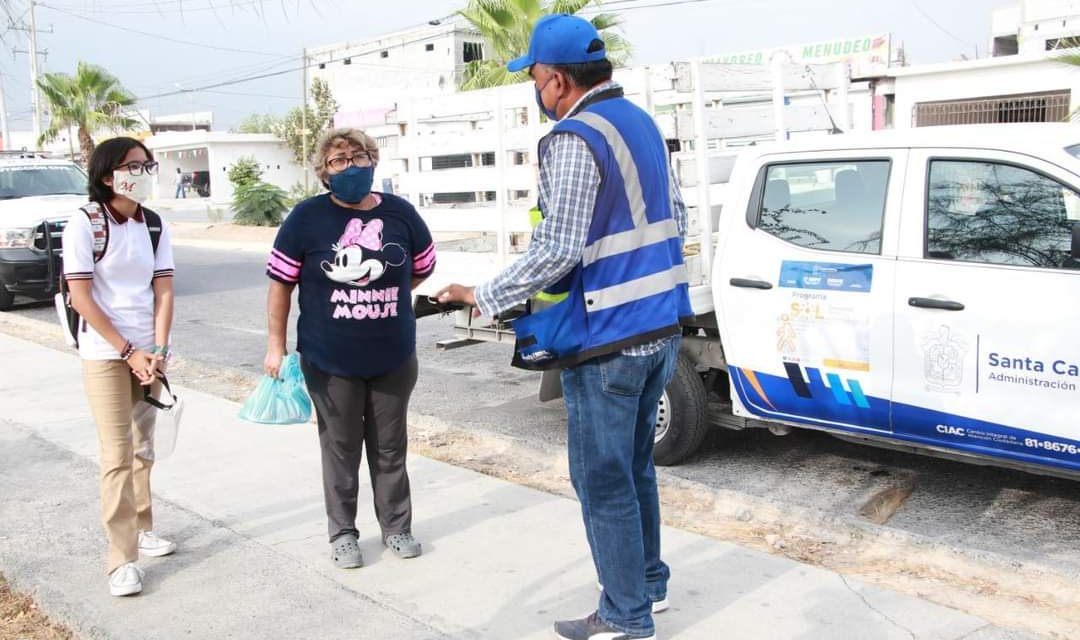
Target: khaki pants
point(113, 392)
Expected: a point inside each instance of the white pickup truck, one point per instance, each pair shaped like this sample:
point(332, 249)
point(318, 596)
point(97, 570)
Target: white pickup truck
point(916, 289)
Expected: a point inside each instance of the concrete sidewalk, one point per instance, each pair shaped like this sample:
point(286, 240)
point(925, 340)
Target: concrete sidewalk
point(245, 504)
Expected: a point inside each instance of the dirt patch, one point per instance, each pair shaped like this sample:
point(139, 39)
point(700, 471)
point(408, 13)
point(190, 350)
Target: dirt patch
point(20, 618)
point(1000, 590)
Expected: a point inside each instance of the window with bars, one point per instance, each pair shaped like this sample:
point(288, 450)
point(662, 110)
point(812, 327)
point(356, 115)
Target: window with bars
point(472, 51)
point(1038, 107)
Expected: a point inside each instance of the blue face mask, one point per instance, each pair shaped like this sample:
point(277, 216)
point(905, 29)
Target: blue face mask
point(550, 113)
point(353, 184)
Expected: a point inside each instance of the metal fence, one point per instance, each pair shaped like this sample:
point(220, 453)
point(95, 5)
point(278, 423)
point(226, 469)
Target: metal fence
point(1039, 107)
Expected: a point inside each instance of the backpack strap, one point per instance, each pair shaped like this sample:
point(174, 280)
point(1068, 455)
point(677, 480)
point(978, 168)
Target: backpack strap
point(99, 226)
point(153, 225)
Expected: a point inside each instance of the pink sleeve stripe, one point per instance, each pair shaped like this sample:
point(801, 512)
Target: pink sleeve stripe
point(274, 272)
point(285, 258)
point(424, 254)
point(284, 267)
point(425, 264)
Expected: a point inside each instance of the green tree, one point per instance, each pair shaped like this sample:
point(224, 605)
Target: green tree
point(506, 26)
point(1070, 56)
point(92, 100)
point(257, 123)
point(244, 172)
point(319, 119)
point(259, 204)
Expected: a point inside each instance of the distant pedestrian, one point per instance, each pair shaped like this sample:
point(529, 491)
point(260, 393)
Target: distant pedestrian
point(357, 256)
point(122, 286)
point(181, 187)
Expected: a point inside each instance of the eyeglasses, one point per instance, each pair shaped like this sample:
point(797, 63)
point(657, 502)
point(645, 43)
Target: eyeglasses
point(149, 167)
point(340, 163)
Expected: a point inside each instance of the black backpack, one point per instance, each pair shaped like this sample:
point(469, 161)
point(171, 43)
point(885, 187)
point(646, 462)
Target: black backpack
point(99, 225)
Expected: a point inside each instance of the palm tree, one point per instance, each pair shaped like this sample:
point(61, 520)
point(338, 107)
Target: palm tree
point(1070, 56)
point(92, 100)
point(506, 26)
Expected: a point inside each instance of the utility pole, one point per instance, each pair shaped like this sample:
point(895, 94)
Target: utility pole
point(5, 135)
point(35, 95)
point(303, 118)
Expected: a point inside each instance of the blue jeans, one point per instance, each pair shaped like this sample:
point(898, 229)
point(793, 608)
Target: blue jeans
point(611, 408)
point(181, 192)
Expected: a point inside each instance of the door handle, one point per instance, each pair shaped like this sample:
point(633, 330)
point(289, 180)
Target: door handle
point(933, 303)
point(746, 283)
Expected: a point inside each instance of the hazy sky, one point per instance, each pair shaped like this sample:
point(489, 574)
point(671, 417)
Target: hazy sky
point(104, 32)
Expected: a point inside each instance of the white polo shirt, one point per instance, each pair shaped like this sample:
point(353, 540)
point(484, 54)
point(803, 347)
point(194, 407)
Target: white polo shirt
point(121, 279)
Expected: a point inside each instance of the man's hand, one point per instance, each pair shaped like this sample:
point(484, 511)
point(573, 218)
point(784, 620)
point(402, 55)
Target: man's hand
point(457, 293)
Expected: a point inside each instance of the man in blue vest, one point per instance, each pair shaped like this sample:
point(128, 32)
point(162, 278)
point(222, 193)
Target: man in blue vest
point(611, 239)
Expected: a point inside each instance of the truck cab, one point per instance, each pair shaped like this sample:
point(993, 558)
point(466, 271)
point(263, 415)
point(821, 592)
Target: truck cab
point(37, 196)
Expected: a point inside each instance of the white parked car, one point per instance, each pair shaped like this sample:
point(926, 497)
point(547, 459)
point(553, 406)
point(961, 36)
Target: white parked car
point(37, 196)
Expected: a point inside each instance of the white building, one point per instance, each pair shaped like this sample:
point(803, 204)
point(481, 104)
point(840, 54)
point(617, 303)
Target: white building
point(1024, 80)
point(1035, 26)
point(382, 72)
point(209, 155)
point(1020, 88)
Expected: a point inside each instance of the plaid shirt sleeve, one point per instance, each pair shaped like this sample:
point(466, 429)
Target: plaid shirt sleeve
point(569, 181)
point(678, 206)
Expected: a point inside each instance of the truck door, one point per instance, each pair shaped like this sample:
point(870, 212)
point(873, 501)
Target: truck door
point(987, 302)
point(804, 288)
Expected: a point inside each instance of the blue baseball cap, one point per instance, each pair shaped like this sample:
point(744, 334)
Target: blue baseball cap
point(560, 38)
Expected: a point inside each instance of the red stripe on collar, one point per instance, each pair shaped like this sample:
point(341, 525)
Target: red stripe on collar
point(120, 219)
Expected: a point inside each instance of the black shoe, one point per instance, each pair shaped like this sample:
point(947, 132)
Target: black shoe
point(593, 628)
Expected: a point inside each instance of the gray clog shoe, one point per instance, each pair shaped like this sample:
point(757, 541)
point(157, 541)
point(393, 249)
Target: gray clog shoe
point(345, 552)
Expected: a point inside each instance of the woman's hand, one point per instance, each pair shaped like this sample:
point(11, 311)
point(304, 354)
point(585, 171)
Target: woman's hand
point(272, 361)
point(157, 365)
point(142, 365)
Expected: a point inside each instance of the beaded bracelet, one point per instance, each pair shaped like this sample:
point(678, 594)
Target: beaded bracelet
point(126, 352)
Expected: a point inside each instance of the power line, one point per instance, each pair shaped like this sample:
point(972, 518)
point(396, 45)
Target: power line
point(634, 7)
point(160, 36)
point(158, 8)
point(250, 95)
point(936, 24)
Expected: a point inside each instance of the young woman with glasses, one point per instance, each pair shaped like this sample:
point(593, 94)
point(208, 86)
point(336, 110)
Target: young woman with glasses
point(122, 287)
point(357, 254)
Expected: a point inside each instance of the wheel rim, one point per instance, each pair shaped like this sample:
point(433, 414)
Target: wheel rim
point(663, 417)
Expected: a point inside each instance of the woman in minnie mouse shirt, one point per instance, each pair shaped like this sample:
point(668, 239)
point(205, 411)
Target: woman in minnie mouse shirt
point(356, 255)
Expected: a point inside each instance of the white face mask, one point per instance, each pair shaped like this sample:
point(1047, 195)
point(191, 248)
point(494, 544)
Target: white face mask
point(135, 187)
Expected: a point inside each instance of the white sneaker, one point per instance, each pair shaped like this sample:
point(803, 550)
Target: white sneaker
point(153, 546)
point(125, 580)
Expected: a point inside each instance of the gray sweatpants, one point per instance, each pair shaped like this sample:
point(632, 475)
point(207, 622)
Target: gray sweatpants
point(357, 412)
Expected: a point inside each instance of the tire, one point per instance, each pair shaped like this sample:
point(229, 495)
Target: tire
point(7, 298)
point(681, 420)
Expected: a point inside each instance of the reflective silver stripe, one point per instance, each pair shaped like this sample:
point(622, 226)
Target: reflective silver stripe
point(650, 285)
point(627, 241)
point(625, 161)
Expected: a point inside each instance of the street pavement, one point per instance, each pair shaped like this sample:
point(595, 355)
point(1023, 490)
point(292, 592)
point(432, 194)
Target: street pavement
point(244, 503)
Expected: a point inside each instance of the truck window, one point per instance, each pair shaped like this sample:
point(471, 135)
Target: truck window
point(44, 180)
point(835, 206)
point(997, 213)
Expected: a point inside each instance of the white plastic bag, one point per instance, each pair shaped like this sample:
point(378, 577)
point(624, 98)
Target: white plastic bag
point(158, 424)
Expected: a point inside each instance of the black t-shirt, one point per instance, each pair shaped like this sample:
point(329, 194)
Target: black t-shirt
point(355, 271)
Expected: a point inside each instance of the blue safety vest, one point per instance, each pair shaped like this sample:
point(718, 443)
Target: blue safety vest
point(631, 285)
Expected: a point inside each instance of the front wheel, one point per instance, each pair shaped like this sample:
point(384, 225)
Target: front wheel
point(681, 419)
